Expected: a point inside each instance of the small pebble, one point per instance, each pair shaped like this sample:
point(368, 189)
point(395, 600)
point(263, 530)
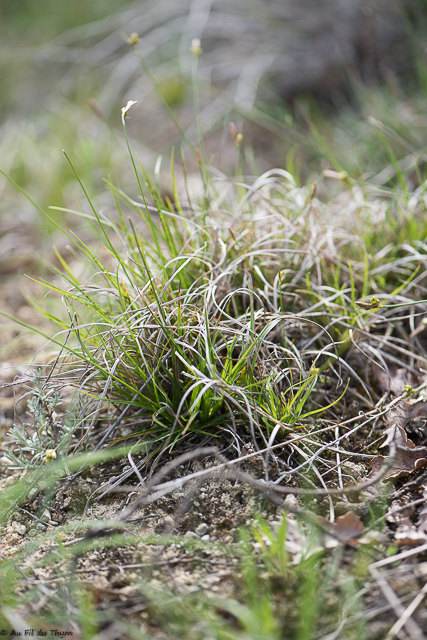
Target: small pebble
point(291, 500)
point(32, 532)
point(202, 529)
point(16, 527)
point(43, 485)
point(190, 534)
point(13, 538)
point(205, 537)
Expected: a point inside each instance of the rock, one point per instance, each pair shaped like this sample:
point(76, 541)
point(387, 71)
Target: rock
point(202, 529)
point(16, 527)
point(190, 534)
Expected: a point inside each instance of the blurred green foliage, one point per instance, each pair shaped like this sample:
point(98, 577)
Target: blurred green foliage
point(53, 62)
point(37, 21)
point(25, 27)
point(41, 112)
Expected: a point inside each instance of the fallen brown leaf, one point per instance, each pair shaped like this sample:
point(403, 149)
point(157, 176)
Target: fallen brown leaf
point(348, 526)
point(407, 417)
point(410, 416)
point(394, 379)
point(406, 461)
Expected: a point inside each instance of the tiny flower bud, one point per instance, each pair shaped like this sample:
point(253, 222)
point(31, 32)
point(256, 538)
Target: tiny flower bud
point(196, 48)
point(238, 137)
point(133, 39)
point(336, 175)
point(49, 456)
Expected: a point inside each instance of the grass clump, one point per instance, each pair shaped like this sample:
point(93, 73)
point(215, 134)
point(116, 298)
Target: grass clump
point(193, 324)
point(241, 310)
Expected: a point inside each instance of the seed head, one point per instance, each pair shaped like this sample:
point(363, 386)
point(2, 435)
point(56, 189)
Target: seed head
point(196, 49)
point(133, 39)
point(374, 303)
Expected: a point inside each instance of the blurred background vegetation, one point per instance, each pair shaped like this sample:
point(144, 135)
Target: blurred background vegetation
point(311, 84)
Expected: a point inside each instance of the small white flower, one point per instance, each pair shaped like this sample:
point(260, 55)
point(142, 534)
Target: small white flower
point(196, 49)
point(125, 110)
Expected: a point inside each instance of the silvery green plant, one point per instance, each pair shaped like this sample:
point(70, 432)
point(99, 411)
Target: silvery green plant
point(40, 440)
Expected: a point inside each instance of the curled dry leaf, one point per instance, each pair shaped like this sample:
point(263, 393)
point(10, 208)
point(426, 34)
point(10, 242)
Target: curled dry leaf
point(406, 460)
point(394, 379)
point(408, 417)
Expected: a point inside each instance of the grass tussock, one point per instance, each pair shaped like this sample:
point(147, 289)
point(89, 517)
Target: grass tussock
point(257, 306)
point(243, 309)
